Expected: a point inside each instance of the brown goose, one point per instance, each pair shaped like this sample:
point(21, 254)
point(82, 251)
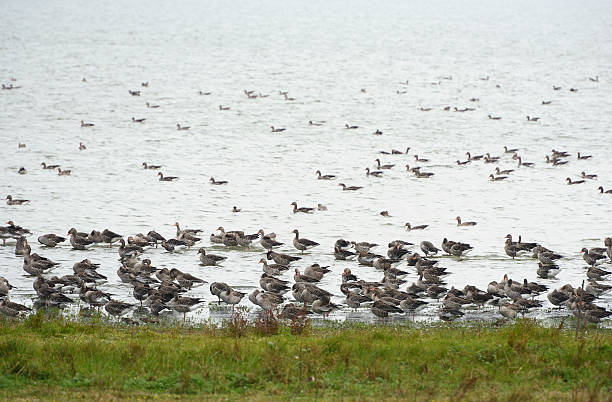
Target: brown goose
point(601, 190)
point(50, 240)
point(375, 173)
point(379, 166)
point(166, 178)
point(302, 209)
point(182, 128)
point(526, 164)
point(583, 157)
point(325, 176)
point(153, 167)
point(217, 183)
point(349, 188)
point(418, 227)
point(11, 201)
point(460, 223)
point(134, 120)
point(302, 244)
point(570, 182)
point(83, 124)
point(52, 167)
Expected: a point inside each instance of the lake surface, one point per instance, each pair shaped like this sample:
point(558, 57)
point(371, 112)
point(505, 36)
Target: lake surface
point(323, 53)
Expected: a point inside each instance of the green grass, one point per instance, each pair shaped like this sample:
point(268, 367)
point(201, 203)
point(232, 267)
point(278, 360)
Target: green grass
point(54, 358)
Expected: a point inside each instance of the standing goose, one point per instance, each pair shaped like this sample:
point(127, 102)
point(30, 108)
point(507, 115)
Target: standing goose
point(50, 240)
point(272, 269)
point(231, 296)
point(281, 259)
point(302, 244)
point(428, 248)
point(78, 242)
point(592, 258)
point(460, 223)
point(267, 241)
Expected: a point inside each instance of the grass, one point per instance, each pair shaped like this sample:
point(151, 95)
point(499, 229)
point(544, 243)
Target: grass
point(55, 358)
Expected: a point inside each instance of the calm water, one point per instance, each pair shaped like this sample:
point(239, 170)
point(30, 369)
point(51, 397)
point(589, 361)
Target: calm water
point(323, 53)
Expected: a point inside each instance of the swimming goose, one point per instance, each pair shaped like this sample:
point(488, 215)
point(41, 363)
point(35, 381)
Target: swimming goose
point(494, 117)
point(510, 151)
point(532, 118)
point(473, 158)
point(546, 102)
point(82, 146)
point(349, 188)
point(315, 123)
point(152, 167)
point(217, 183)
point(61, 172)
point(22, 170)
point(78, 242)
point(134, 93)
point(459, 223)
point(526, 164)
point(418, 227)
point(573, 89)
point(596, 79)
point(302, 209)
point(588, 176)
point(324, 177)
point(583, 157)
point(45, 166)
point(235, 209)
point(151, 106)
point(321, 207)
point(83, 124)
point(379, 166)
point(346, 126)
point(50, 240)
point(182, 128)
point(11, 201)
point(377, 132)
point(204, 93)
point(363, 247)
point(460, 163)
point(498, 178)
point(302, 244)
point(501, 172)
point(277, 130)
point(417, 159)
point(601, 190)
point(375, 173)
point(570, 182)
point(134, 120)
point(341, 254)
point(166, 178)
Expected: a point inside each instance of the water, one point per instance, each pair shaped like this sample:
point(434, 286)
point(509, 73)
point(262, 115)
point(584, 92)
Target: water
point(323, 54)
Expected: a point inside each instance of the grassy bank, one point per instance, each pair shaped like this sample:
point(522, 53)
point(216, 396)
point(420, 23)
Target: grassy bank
point(58, 359)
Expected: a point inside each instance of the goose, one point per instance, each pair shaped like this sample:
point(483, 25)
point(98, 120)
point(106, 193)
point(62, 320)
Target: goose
point(321, 207)
point(50, 240)
point(61, 172)
point(546, 102)
point(526, 164)
point(182, 128)
point(556, 88)
point(82, 146)
point(460, 163)
point(273, 269)
point(422, 175)
point(349, 188)
point(11, 201)
point(134, 93)
point(508, 310)
point(460, 223)
point(377, 132)
point(498, 178)
point(217, 183)
point(494, 117)
point(235, 209)
point(385, 214)
point(592, 258)
point(231, 296)
point(588, 176)
point(379, 166)
point(145, 165)
point(204, 93)
point(52, 167)
point(341, 254)
point(428, 248)
point(573, 89)
point(267, 241)
point(302, 209)
point(83, 124)
point(302, 244)
point(502, 172)
point(532, 118)
point(375, 173)
point(315, 123)
point(134, 120)
point(601, 190)
point(417, 159)
point(347, 127)
point(596, 79)
point(325, 176)
point(21, 145)
point(277, 130)
point(473, 158)
point(583, 157)
point(417, 227)
point(570, 182)
point(78, 242)
point(151, 106)
point(185, 304)
point(382, 309)
point(425, 109)
point(282, 259)
point(166, 178)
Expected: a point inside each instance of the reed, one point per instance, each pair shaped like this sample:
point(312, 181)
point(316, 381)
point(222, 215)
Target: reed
point(56, 358)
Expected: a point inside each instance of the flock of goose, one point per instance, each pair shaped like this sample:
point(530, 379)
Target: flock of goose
point(286, 286)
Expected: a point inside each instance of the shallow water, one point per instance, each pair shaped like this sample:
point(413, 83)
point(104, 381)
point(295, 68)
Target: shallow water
point(323, 53)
